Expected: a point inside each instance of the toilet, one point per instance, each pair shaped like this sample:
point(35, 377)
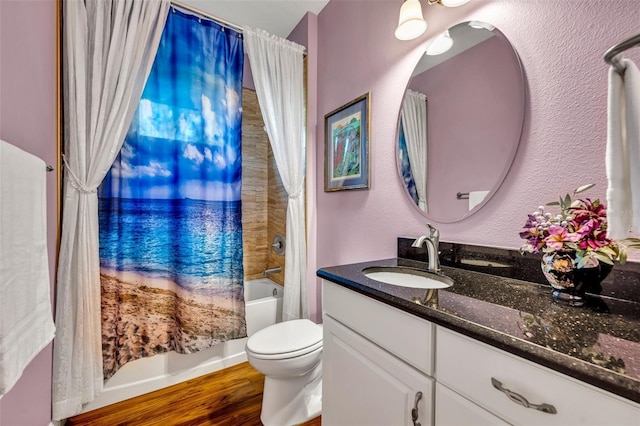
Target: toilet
point(289, 354)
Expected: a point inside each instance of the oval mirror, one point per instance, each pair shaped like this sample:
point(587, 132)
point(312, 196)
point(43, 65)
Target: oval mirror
point(461, 122)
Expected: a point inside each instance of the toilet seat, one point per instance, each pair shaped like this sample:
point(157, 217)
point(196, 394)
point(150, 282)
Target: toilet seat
point(287, 339)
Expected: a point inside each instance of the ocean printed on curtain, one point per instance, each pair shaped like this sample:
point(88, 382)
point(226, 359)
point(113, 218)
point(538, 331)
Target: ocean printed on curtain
point(170, 213)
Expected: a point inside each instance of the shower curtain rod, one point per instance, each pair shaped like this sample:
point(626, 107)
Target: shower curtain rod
point(207, 15)
point(611, 55)
point(221, 21)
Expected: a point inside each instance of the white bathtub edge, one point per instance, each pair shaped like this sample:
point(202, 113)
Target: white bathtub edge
point(111, 395)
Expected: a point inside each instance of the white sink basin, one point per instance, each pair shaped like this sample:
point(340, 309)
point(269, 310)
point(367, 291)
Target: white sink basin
point(407, 277)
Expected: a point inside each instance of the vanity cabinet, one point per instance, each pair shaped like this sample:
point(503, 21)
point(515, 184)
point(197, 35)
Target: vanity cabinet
point(380, 363)
point(377, 362)
point(504, 384)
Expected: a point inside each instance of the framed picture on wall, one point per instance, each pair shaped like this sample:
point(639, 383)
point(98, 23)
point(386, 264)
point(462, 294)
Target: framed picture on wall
point(346, 151)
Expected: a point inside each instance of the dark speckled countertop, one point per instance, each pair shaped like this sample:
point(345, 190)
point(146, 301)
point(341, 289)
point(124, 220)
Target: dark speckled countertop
point(598, 343)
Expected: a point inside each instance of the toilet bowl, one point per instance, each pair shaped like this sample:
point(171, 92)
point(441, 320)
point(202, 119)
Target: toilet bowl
point(289, 354)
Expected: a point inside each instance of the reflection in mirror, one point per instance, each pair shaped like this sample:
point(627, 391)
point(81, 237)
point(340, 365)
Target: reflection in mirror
point(454, 155)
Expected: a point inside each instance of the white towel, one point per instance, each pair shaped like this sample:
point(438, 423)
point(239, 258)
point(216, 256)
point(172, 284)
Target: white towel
point(476, 197)
point(26, 320)
point(623, 151)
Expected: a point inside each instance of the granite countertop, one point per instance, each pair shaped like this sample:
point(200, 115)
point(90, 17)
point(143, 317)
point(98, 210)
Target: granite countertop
point(598, 343)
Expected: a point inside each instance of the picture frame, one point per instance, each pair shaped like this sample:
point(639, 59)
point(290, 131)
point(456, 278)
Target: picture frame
point(346, 150)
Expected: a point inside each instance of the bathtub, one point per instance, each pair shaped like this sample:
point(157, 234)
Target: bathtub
point(263, 302)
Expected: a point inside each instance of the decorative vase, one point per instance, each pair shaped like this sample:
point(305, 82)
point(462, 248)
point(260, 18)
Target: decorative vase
point(569, 282)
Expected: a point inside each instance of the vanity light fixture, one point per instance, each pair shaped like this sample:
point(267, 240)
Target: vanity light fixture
point(411, 24)
point(479, 25)
point(448, 3)
point(441, 44)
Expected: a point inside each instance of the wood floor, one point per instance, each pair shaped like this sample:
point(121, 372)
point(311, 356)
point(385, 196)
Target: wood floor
point(230, 397)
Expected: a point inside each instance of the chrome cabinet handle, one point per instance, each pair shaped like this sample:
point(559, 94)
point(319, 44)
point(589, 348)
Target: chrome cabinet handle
point(414, 412)
point(521, 400)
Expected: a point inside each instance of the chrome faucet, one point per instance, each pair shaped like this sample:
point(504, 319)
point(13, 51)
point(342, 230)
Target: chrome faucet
point(432, 242)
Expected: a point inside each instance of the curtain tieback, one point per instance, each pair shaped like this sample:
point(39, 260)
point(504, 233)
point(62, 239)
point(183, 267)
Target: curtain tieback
point(295, 196)
point(75, 182)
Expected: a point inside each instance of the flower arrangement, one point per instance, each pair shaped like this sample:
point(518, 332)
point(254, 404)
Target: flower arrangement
point(581, 227)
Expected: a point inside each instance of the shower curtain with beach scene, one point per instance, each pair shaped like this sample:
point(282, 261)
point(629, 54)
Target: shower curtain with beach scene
point(169, 208)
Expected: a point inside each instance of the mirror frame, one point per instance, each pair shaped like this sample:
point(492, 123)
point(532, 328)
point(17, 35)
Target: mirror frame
point(501, 178)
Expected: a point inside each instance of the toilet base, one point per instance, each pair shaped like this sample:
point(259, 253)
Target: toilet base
point(293, 400)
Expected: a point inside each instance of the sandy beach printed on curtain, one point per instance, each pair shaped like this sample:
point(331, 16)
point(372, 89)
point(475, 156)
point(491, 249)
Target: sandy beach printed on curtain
point(170, 212)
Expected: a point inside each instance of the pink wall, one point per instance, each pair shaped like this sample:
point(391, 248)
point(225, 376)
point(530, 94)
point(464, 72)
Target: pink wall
point(28, 120)
point(475, 111)
point(560, 43)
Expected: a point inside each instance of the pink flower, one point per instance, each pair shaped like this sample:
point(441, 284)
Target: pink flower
point(583, 229)
point(558, 235)
point(595, 241)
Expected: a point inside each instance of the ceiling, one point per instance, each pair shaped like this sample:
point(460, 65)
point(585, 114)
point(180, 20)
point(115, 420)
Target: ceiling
point(274, 16)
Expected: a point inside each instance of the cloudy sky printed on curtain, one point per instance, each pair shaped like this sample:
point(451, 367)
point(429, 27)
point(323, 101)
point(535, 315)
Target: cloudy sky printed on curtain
point(192, 105)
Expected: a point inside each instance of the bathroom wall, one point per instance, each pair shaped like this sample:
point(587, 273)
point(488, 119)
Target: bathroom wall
point(28, 120)
point(560, 43)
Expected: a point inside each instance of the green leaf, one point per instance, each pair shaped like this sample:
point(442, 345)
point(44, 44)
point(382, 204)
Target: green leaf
point(608, 250)
point(604, 258)
point(623, 256)
point(567, 200)
point(553, 203)
point(582, 261)
point(584, 188)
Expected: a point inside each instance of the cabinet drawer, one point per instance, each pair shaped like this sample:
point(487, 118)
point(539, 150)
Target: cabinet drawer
point(468, 367)
point(455, 410)
point(408, 337)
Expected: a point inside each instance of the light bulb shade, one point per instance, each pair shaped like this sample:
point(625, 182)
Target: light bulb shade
point(479, 25)
point(411, 24)
point(453, 3)
point(440, 45)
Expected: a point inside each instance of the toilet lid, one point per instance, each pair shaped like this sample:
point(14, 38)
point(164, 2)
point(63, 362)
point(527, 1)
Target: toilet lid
point(286, 337)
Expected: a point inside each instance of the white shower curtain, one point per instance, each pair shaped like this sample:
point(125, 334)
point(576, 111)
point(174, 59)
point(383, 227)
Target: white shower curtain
point(277, 67)
point(414, 125)
point(109, 47)
point(623, 151)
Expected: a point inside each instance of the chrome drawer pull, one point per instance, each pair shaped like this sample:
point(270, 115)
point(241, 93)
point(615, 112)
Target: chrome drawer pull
point(414, 412)
point(519, 399)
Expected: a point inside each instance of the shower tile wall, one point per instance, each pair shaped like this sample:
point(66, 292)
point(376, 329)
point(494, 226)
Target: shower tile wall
point(263, 196)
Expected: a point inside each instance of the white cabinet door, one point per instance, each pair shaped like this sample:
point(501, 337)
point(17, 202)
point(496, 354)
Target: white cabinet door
point(455, 410)
point(365, 385)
